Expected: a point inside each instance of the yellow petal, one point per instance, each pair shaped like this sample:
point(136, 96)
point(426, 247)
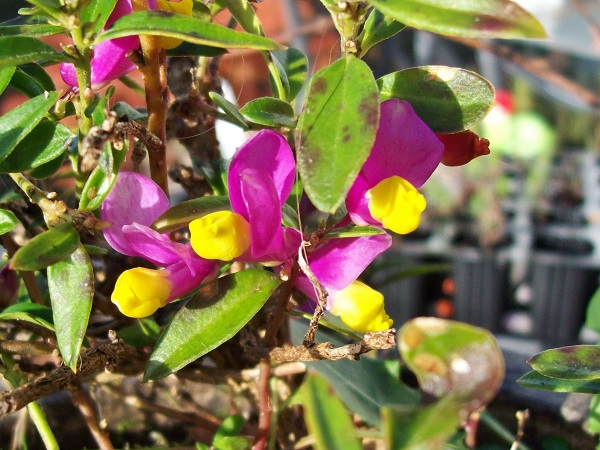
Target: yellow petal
point(396, 204)
point(361, 308)
point(184, 7)
point(222, 235)
point(140, 292)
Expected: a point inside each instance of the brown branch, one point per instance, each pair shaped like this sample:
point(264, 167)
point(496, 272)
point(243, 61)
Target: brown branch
point(26, 348)
point(309, 337)
point(106, 356)
point(83, 402)
point(264, 404)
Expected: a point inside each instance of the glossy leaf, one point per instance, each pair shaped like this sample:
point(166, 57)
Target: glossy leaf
point(353, 231)
point(29, 312)
point(46, 248)
point(592, 318)
point(48, 169)
point(18, 122)
point(205, 323)
point(420, 428)
point(230, 110)
point(447, 99)
point(326, 417)
point(28, 80)
point(471, 18)
point(377, 28)
point(535, 380)
point(231, 426)
point(576, 362)
point(183, 213)
point(37, 30)
point(453, 360)
point(143, 333)
point(52, 7)
point(7, 221)
point(96, 13)
point(292, 66)
point(6, 74)
point(270, 112)
point(243, 12)
point(186, 28)
point(336, 130)
point(189, 49)
point(15, 50)
point(46, 142)
point(71, 287)
point(593, 421)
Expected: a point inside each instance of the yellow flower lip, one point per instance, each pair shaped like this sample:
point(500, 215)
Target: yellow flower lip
point(396, 204)
point(139, 292)
point(222, 235)
point(361, 308)
point(183, 7)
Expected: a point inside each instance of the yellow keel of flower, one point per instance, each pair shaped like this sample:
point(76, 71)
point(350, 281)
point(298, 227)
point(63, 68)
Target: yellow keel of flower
point(361, 308)
point(396, 204)
point(222, 235)
point(140, 292)
point(184, 7)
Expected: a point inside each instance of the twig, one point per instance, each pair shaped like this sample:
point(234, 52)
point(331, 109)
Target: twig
point(28, 277)
point(106, 356)
point(309, 337)
point(264, 404)
point(522, 417)
point(26, 348)
point(84, 404)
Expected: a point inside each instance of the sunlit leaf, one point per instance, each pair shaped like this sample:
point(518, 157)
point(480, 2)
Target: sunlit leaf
point(576, 362)
point(469, 18)
point(244, 14)
point(6, 74)
point(292, 66)
point(270, 112)
point(205, 323)
point(231, 426)
point(143, 333)
point(36, 30)
point(29, 312)
point(592, 318)
point(190, 29)
point(535, 380)
point(46, 248)
point(15, 50)
point(183, 213)
point(336, 130)
point(7, 221)
point(96, 13)
point(448, 99)
point(71, 287)
point(229, 109)
point(354, 231)
point(377, 28)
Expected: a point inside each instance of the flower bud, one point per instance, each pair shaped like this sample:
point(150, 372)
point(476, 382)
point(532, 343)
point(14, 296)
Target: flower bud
point(140, 292)
point(222, 235)
point(460, 148)
point(361, 308)
point(396, 204)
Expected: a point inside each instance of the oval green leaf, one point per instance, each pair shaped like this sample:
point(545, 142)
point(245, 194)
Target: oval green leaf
point(15, 50)
point(36, 30)
point(470, 18)
point(183, 213)
point(48, 169)
point(6, 74)
point(189, 29)
point(336, 130)
point(7, 221)
point(18, 122)
point(270, 112)
point(46, 142)
point(71, 287)
point(230, 109)
point(326, 417)
point(576, 362)
point(29, 312)
point(96, 13)
point(354, 231)
point(292, 66)
point(205, 323)
point(447, 99)
point(377, 28)
point(535, 380)
point(46, 248)
point(32, 80)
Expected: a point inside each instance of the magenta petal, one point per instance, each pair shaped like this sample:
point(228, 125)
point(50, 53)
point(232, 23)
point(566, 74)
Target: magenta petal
point(185, 279)
point(268, 153)
point(151, 245)
point(68, 74)
point(110, 59)
point(358, 205)
point(134, 198)
point(404, 146)
point(339, 262)
point(122, 8)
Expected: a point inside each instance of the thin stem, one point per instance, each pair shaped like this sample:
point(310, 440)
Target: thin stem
point(83, 402)
point(490, 421)
point(274, 76)
point(28, 277)
point(264, 404)
point(41, 424)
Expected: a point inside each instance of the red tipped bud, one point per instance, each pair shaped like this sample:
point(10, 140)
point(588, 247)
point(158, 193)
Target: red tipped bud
point(460, 148)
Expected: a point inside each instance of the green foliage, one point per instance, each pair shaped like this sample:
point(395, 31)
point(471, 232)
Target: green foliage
point(29, 312)
point(6, 74)
point(7, 221)
point(230, 110)
point(32, 80)
point(15, 50)
point(292, 68)
point(183, 213)
point(536, 380)
point(270, 112)
point(577, 362)
point(377, 28)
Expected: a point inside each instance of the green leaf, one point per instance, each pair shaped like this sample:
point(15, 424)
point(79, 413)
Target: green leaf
point(183, 213)
point(270, 112)
point(230, 109)
point(535, 380)
point(592, 318)
point(71, 287)
point(326, 417)
point(231, 426)
point(232, 443)
point(6, 74)
point(576, 362)
point(52, 7)
point(95, 14)
point(447, 99)
point(48, 169)
point(336, 130)
point(292, 66)
point(205, 323)
point(143, 333)
point(46, 142)
point(125, 111)
point(7, 221)
point(190, 29)
point(46, 248)
point(18, 122)
point(593, 422)
point(470, 18)
point(189, 49)
point(37, 30)
point(29, 312)
point(445, 356)
point(377, 28)
point(32, 80)
point(243, 12)
point(15, 50)
point(420, 428)
point(354, 231)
